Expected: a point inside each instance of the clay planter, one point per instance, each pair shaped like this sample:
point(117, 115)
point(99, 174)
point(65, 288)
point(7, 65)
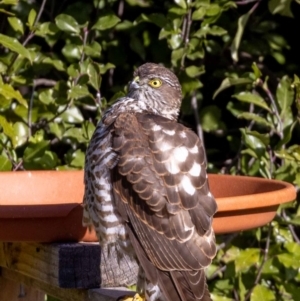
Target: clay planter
point(45, 206)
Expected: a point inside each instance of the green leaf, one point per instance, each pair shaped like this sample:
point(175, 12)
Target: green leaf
point(213, 10)
point(15, 46)
point(288, 260)
point(229, 82)
point(46, 29)
point(234, 48)
point(67, 23)
point(76, 134)
point(94, 76)
point(282, 7)
point(16, 24)
point(2, 10)
point(57, 129)
point(5, 164)
point(210, 118)
point(88, 130)
point(72, 51)
point(158, 19)
point(124, 25)
point(241, 287)
point(7, 129)
point(181, 3)
point(9, 2)
point(45, 160)
point(93, 49)
point(256, 71)
point(104, 68)
point(106, 22)
point(255, 140)
point(285, 97)
point(21, 133)
point(34, 150)
point(194, 71)
point(271, 267)
point(206, 30)
point(220, 298)
point(295, 221)
point(199, 14)
point(8, 92)
point(46, 96)
point(177, 55)
point(252, 98)
point(261, 292)
point(78, 158)
point(293, 248)
point(287, 135)
point(254, 117)
point(231, 254)
point(247, 259)
point(4, 102)
point(175, 40)
point(57, 64)
point(189, 85)
point(78, 91)
point(250, 152)
point(72, 115)
point(31, 18)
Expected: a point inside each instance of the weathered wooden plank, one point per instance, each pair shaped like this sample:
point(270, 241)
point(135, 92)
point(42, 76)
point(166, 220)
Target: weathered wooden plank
point(62, 265)
point(103, 294)
point(14, 291)
point(69, 265)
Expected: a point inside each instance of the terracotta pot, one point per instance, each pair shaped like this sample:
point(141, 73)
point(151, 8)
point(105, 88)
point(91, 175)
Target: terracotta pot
point(45, 206)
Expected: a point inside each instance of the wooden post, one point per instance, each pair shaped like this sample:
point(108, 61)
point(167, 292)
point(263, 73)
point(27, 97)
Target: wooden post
point(68, 271)
point(14, 291)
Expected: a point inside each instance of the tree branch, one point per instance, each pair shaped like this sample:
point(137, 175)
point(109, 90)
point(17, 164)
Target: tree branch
point(265, 258)
point(28, 38)
point(291, 227)
point(186, 28)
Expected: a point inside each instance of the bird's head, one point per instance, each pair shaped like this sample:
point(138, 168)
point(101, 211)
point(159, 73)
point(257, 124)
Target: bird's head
point(158, 88)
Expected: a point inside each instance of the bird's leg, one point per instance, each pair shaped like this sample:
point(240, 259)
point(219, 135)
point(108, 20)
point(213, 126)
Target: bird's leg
point(140, 295)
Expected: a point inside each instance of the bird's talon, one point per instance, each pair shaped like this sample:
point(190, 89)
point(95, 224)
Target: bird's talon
point(136, 297)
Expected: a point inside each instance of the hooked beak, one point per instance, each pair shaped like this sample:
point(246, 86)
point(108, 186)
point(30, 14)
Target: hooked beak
point(134, 85)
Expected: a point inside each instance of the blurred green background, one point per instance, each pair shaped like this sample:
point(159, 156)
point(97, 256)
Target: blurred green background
point(62, 63)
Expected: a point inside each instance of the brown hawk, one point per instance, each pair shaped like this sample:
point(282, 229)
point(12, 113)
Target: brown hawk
point(146, 188)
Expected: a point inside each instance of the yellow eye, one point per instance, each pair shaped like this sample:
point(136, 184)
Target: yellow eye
point(155, 83)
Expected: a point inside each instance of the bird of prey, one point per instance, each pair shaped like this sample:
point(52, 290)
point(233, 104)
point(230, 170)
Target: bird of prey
point(146, 188)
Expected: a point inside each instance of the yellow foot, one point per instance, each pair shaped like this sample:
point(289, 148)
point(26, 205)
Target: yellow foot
point(136, 297)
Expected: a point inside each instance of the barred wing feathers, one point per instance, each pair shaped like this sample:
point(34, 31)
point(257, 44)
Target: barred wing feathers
point(161, 190)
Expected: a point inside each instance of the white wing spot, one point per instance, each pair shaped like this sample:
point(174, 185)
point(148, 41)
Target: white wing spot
point(180, 153)
point(187, 185)
point(156, 128)
point(164, 146)
point(182, 134)
point(170, 133)
point(172, 166)
point(195, 170)
point(194, 150)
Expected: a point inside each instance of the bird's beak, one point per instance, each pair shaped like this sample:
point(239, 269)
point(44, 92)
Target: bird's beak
point(134, 85)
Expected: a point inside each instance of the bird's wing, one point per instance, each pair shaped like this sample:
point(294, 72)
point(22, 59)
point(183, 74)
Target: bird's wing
point(161, 190)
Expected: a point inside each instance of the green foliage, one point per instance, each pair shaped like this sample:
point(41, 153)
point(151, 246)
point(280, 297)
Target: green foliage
point(63, 64)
